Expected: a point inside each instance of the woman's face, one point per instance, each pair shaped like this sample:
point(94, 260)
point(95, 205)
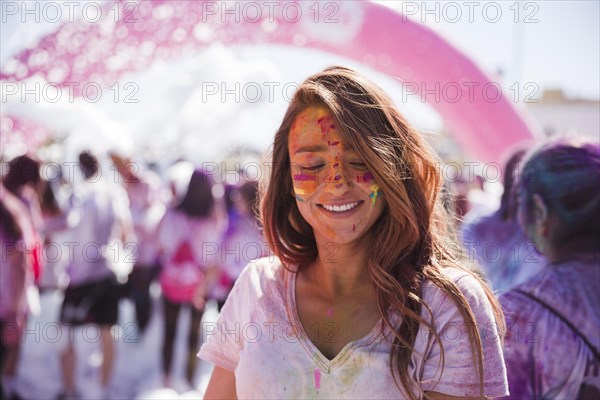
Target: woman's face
point(335, 192)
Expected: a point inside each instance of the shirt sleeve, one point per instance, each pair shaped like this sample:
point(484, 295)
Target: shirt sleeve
point(458, 376)
point(223, 341)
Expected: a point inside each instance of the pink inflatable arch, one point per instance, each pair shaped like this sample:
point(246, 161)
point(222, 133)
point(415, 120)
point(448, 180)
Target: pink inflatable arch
point(483, 121)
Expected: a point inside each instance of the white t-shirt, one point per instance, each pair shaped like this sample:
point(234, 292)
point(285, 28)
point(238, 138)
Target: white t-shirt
point(545, 358)
point(259, 337)
point(97, 216)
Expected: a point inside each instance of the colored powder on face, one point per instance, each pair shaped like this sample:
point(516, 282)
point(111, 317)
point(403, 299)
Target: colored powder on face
point(337, 177)
point(304, 177)
point(326, 123)
point(317, 375)
point(299, 199)
point(329, 312)
point(305, 187)
point(366, 177)
point(333, 143)
point(374, 194)
point(339, 185)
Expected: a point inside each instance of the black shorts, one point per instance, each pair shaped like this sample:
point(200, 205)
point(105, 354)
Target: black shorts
point(91, 303)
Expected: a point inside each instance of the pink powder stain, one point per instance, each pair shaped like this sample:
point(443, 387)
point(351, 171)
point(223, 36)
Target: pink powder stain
point(366, 177)
point(304, 177)
point(337, 177)
point(339, 185)
point(317, 375)
point(333, 143)
point(329, 312)
point(326, 123)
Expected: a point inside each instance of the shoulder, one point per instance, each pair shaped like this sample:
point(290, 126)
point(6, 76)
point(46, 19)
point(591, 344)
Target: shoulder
point(515, 301)
point(260, 288)
point(470, 287)
point(571, 289)
point(263, 275)
point(447, 311)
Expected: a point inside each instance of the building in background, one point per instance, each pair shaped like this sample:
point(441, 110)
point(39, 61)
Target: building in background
point(558, 113)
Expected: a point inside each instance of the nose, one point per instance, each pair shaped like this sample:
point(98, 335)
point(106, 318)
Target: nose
point(336, 180)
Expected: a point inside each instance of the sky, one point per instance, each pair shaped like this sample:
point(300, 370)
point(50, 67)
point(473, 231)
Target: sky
point(554, 44)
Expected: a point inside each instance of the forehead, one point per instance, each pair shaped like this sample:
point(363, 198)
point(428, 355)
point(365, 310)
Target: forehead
point(314, 128)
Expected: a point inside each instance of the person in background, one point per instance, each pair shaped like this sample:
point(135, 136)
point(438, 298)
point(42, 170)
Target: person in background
point(188, 239)
point(23, 181)
point(92, 296)
point(481, 200)
point(242, 241)
point(53, 276)
point(553, 319)
point(15, 276)
point(146, 210)
point(496, 241)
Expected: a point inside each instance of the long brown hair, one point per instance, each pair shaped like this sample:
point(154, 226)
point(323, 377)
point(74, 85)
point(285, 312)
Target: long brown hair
point(410, 242)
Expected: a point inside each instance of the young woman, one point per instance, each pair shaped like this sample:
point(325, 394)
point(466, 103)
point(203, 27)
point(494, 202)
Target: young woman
point(553, 345)
point(363, 298)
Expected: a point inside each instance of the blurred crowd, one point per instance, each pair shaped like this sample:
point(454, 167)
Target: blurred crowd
point(99, 238)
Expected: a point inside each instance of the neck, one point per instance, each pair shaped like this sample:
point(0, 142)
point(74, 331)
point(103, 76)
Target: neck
point(340, 269)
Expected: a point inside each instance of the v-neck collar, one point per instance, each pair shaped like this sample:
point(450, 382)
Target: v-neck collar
point(326, 365)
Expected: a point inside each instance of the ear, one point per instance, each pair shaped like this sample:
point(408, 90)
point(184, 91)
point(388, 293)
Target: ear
point(540, 213)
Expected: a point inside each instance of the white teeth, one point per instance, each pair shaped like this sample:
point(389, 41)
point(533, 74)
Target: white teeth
point(342, 208)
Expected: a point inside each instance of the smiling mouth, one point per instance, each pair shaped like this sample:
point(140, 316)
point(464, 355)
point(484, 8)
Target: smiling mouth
point(341, 208)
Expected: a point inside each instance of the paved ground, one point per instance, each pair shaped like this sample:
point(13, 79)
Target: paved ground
point(137, 372)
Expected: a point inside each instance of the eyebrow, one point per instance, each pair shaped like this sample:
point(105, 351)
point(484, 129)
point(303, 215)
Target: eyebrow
point(311, 149)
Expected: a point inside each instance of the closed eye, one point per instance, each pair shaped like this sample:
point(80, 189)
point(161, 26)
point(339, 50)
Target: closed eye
point(315, 167)
point(358, 165)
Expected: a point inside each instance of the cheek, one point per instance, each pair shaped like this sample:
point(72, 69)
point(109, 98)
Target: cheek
point(364, 177)
point(367, 183)
point(305, 185)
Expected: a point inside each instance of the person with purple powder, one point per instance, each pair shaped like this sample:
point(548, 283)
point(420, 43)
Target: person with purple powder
point(553, 319)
